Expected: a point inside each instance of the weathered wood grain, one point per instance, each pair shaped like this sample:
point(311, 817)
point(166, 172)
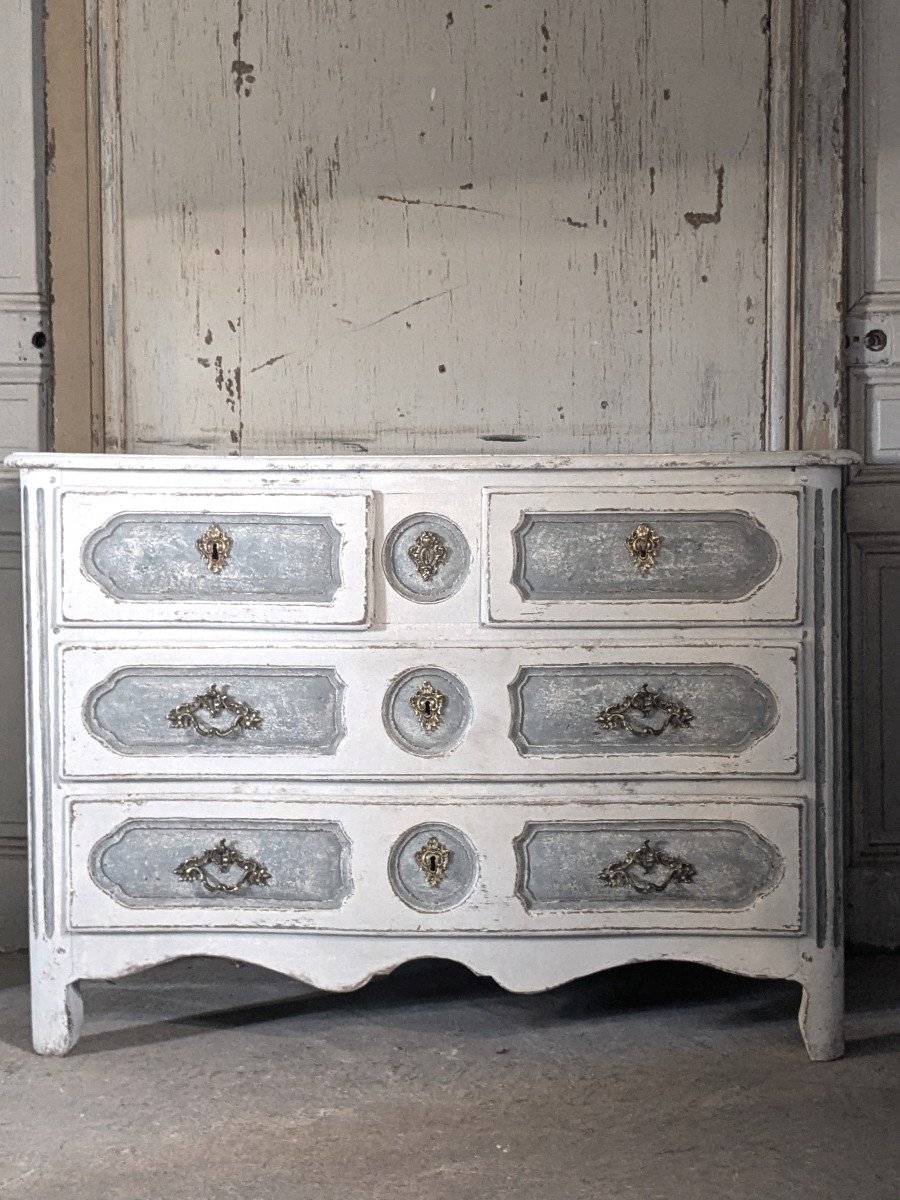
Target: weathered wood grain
point(407, 226)
point(182, 220)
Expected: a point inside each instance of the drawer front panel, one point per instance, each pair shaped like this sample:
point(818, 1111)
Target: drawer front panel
point(715, 708)
point(152, 711)
point(581, 558)
point(223, 558)
point(647, 866)
point(391, 713)
point(426, 865)
point(231, 864)
point(289, 560)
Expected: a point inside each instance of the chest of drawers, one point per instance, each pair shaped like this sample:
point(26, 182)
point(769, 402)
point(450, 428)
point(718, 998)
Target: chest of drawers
point(539, 716)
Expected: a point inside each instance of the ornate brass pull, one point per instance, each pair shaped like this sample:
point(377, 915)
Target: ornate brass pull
point(223, 856)
point(428, 552)
point(215, 546)
point(428, 705)
point(643, 546)
point(646, 703)
point(620, 873)
point(215, 702)
point(434, 858)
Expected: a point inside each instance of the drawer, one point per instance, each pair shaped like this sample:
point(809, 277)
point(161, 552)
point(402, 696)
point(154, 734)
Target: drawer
point(437, 865)
point(225, 557)
point(588, 557)
point(583, 711)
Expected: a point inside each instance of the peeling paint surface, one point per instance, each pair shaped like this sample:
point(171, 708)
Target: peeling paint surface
point(404, 228)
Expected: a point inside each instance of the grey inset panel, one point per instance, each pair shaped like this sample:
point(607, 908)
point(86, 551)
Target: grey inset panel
point(403, 574)
point(301, 708)
point(404, 726)
point(554, 709)
point(148, 556)
point(582, 556)
point(308, 863)
point(559, 865)
point(410, 882)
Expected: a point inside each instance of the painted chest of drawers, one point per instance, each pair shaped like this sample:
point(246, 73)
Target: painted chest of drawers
point(539, 716)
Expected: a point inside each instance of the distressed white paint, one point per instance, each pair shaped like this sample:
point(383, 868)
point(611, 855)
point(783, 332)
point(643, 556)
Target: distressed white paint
point(23, 366)
point(775, 598)
point(374, 826)
point(23, 379)
point(791, 931)
point(88, 600)
point(368, 667)
point(873, 516)
point(399, 227)
point(875, 139)
point(13, 890)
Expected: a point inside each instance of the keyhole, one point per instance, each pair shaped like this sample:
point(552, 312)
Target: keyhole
point(215, 551)
point(432, 863)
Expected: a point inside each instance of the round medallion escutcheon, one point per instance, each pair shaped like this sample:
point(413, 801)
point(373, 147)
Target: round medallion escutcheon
point(433, 868)
point(426, 558)
point(427, 711)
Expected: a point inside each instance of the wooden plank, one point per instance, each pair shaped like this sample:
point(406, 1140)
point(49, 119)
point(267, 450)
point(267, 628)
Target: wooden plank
point(182, 220)
point(821, 409)
point(73, 190)
point(442, 248)
point(707, 154)
point(440, 229)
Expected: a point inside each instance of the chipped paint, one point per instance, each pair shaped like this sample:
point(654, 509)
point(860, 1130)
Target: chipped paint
point(696, 219)
point(345, 200)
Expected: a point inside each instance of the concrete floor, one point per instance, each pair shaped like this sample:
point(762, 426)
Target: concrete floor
point(206, 1080)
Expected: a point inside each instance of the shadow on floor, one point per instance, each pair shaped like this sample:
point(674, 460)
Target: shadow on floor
point(171, 1001)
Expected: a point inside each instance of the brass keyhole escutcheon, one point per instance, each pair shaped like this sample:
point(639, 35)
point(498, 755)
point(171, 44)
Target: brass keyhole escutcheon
point(643, 546)
point(215, 546)
point(433, 859)
point(429, 553)
point(428, 705)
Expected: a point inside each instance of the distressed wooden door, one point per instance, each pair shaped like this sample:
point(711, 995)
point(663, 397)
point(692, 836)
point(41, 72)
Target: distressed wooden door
point(417, 226)
point(23, 379)
point(873, 502)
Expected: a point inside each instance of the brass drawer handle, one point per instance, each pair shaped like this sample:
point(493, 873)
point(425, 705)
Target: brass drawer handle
point(645, 702)
point(620, 873)
point(643, 545)
point(428, 552)
point(215, 546)
point(215, 702)
point(434, 858)
point(428, 705)
point(223, 856)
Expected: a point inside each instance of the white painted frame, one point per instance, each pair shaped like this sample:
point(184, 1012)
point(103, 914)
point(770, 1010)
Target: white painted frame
point(775, 599)
point(86, 601)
